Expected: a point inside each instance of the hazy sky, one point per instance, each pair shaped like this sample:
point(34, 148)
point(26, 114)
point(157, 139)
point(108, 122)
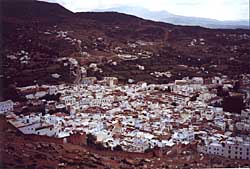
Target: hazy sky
point(215, 9)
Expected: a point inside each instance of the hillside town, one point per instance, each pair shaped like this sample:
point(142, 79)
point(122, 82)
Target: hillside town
point(139, 117)
point(112, 90)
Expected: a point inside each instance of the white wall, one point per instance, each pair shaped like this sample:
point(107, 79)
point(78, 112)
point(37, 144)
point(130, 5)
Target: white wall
point(232, 151)
point(6, 106)
point(29, 129)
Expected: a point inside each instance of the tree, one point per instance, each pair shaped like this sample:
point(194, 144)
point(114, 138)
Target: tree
point(174, 104)
point(221, 92)
point(118, 148)
point(236, 86)
point(169, 89)
point(194, 98)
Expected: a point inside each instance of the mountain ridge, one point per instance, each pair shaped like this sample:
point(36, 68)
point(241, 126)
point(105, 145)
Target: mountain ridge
point(165, 16)
point(48, 32)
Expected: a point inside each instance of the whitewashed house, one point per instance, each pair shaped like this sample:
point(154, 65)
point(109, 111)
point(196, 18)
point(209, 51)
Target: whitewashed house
point(6, 106)
point(197, 80)
point(111, 81)
point(183, 135)
point(29, 128)
point(52, 90)
point(46, 130)
point(232, 149)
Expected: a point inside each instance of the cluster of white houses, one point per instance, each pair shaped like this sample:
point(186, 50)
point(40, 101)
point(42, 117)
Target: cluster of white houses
point(231, 147)
point(138, 117)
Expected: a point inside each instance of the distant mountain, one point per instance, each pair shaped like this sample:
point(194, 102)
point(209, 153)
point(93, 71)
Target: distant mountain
point(164, 16)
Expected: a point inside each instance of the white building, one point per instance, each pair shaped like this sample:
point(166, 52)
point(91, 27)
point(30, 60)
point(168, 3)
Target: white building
point(228, 149)
point(135, 145)
point(217, 80)
point(111, 81)
point(241, 126)
point(52, 90)
point(68, 100)
point(6, 106)
point(89, 80)
point(197, 80)
point(183, 135)
point(245, 114)
point(208, 113)
point(46, 130)
point(29, 128)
